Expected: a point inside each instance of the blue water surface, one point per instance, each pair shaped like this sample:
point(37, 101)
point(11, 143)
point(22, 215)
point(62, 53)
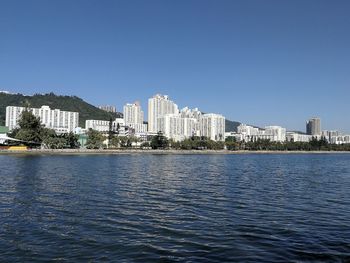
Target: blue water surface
point(175, 208)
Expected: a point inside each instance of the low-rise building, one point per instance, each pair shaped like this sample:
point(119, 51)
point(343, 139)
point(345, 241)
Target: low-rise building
point(98, 125)
point(272, 133)
point(298, 137)
point(276, 133)
point(118, 126)
point(342, 139)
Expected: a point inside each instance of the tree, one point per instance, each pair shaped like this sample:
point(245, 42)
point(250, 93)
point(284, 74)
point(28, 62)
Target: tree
point(95, 139)
point(72, 140)
point(231, 143)
point(110, 131)
point(133, 139)
point(29, 121)
point(53, 141)
point(114, 142)
point(56, 142)
point(123, 141)
point(118, 128)
point(30, 128)
point(145, 145)
point(159, 141)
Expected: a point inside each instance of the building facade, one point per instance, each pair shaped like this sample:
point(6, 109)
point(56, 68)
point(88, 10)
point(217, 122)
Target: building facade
point(133, 113)
point(275, 133)
point(108, 108)
point(272, 133)
point(212, 126)
point(118, 126)
point(313, 126)
point(158, 106)
point(61, 121)
point(297, 137)
point(98, 125)
point(247, 131)
point(188, 123)
point(176, 127)
point(133, 117)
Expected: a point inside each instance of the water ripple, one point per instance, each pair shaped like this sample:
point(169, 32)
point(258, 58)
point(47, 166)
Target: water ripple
point(175, 208)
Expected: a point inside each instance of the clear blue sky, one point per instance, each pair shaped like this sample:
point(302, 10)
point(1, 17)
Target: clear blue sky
point(259, 62)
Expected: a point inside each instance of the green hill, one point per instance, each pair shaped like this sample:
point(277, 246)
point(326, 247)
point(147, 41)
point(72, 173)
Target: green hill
point(67, 103)
point(231, 125)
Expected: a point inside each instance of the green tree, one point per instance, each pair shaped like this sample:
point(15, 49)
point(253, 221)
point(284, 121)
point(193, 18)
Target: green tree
point(133, 139)
point(231, 143)
point(53, 141)
point(30, 128)
point(145, 145)
point(71, 140)
point(123, 141)
point(114, 142)
point(159, 141)
point(95, 139)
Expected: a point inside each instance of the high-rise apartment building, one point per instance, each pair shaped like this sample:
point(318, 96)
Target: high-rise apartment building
point(158, 106)
point(212, 126)
point(133, 113)
point(54, 119)
point(176, 127)
point(313, 126)
point(133, 117)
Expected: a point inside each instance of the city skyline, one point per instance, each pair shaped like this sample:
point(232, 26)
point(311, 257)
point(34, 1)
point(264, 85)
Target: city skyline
point(178, 125)
point(252, 62)
point(180, 108)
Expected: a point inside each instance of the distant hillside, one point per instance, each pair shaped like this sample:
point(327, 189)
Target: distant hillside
point(67, 103)
point(231, 125)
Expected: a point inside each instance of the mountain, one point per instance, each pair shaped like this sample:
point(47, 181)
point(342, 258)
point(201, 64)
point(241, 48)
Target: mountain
point(231, 125)
point(67, 103)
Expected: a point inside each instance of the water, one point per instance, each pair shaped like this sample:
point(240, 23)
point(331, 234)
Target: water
point(175, 208)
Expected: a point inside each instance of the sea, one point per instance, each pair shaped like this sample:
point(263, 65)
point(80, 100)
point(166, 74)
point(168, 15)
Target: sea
point(175, 208)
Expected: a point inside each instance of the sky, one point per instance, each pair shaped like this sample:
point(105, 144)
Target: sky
point(257, 62)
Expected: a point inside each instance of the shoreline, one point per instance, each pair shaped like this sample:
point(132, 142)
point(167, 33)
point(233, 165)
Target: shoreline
point(157, 152)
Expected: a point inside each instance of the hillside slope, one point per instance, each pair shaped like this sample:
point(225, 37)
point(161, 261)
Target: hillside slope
point(231, 125)
point(67, 103)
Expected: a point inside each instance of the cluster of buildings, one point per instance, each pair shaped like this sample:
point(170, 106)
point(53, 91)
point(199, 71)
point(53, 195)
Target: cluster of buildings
point(279, 134)
point(249, 133)
point(163, 116)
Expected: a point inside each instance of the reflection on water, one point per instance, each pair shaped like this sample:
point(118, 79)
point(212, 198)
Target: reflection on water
point(147, 208)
